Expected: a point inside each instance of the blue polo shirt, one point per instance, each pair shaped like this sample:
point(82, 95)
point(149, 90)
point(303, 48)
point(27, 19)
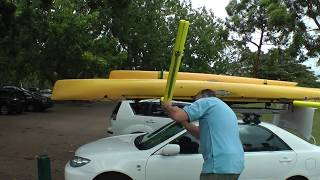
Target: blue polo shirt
point(220, 143)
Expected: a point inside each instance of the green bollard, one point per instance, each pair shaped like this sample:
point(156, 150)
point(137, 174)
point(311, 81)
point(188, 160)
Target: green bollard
point(44, 170)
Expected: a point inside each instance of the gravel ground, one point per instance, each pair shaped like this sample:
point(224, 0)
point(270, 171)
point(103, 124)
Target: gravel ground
point(57, 132)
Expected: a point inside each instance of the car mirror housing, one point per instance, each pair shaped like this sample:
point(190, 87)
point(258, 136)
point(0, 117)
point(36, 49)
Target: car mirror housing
point(170, 150)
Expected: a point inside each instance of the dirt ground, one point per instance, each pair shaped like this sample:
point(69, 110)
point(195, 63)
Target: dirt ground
point(58, 132)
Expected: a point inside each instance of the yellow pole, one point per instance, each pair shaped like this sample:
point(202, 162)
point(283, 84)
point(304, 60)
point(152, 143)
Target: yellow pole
point(306, 104)
point(176, 59)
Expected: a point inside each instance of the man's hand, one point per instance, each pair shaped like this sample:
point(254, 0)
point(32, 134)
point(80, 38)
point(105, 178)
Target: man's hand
point(176, 113)
point(166, 105)
point(179, 115)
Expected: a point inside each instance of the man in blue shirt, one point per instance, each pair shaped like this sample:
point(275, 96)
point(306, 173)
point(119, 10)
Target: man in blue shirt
point(218, 132)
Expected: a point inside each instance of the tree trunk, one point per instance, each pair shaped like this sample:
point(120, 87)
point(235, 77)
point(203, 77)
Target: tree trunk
point(257, 62)
point(310, 11)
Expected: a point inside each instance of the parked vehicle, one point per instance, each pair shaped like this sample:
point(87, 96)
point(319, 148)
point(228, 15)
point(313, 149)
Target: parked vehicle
point(139, 116)
point(34, 89)
point(33, 101)
point(42, 92)
point(10, 102)
point(172, 153)
point(46, 92)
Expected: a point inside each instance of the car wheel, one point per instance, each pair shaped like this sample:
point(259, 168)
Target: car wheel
point(112, 175)
point(297, 178)
point(4, 110)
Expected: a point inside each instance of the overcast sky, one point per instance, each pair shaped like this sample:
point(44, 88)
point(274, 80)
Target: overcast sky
point(218, 7)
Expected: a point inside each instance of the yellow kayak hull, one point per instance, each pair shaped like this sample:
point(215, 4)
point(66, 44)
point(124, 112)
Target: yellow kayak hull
point(116, 89)
point(133, 74)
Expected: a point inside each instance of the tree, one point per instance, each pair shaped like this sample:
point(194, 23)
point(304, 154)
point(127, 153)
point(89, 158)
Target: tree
point(206, 41)
point(7, 45)
point(44, 40)
point(268, 20)
point(308, 12)
point(143, 30)
point(279, 64)
point(147, 31)
point(55, 41)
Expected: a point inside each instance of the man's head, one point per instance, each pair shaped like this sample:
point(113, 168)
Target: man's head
point(205, 93)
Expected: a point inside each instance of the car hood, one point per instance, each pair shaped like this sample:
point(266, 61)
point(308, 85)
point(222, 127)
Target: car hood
point(116, 144)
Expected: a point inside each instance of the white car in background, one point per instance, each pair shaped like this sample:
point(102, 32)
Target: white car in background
point(139, 116)
point(171, 153)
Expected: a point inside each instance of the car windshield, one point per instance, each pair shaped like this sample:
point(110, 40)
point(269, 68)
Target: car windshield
point(148, 141)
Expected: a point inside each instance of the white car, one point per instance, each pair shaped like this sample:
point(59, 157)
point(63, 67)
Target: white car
point(139, 116)
point(171, 153)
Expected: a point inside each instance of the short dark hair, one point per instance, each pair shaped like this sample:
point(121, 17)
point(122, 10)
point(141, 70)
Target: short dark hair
point(206, 93)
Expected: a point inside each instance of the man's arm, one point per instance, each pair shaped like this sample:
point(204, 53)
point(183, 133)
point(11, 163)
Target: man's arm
point(179, 115)
point(193, 129)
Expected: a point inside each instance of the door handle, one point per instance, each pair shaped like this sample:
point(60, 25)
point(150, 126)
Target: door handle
point(285, 160)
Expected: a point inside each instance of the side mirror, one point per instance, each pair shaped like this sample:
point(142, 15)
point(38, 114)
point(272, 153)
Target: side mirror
point(170, 150)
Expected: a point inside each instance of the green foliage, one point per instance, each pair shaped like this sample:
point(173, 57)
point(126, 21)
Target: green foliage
point(276, 30)
point(279, 64)
point(53, 40)
point(146, 30)
point(44, 40)
point(205, 44)
point(308, 10)
point(268, 20)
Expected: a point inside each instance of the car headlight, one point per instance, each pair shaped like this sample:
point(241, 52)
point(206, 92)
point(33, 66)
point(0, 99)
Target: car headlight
point(77, 161)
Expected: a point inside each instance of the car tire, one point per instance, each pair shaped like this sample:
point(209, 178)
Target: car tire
point(4, 110)
point(112, 175)
point(297, 178)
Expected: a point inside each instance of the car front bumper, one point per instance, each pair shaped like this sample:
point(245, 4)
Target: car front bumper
point(71, 173)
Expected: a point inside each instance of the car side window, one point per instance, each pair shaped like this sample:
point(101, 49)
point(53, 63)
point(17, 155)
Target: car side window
point(115, 111)
point(188, 144)
point(256, 138)
point(156, 110)
point(141, 108)
point(151, 108)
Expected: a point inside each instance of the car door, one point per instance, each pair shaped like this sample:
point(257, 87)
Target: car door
point(186, 165)
point(267, 157)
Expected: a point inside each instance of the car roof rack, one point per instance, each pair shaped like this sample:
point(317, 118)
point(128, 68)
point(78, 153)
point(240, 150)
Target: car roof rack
point(252, 115)
point(258, 110)
point(268, 108)
point(251, 118)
